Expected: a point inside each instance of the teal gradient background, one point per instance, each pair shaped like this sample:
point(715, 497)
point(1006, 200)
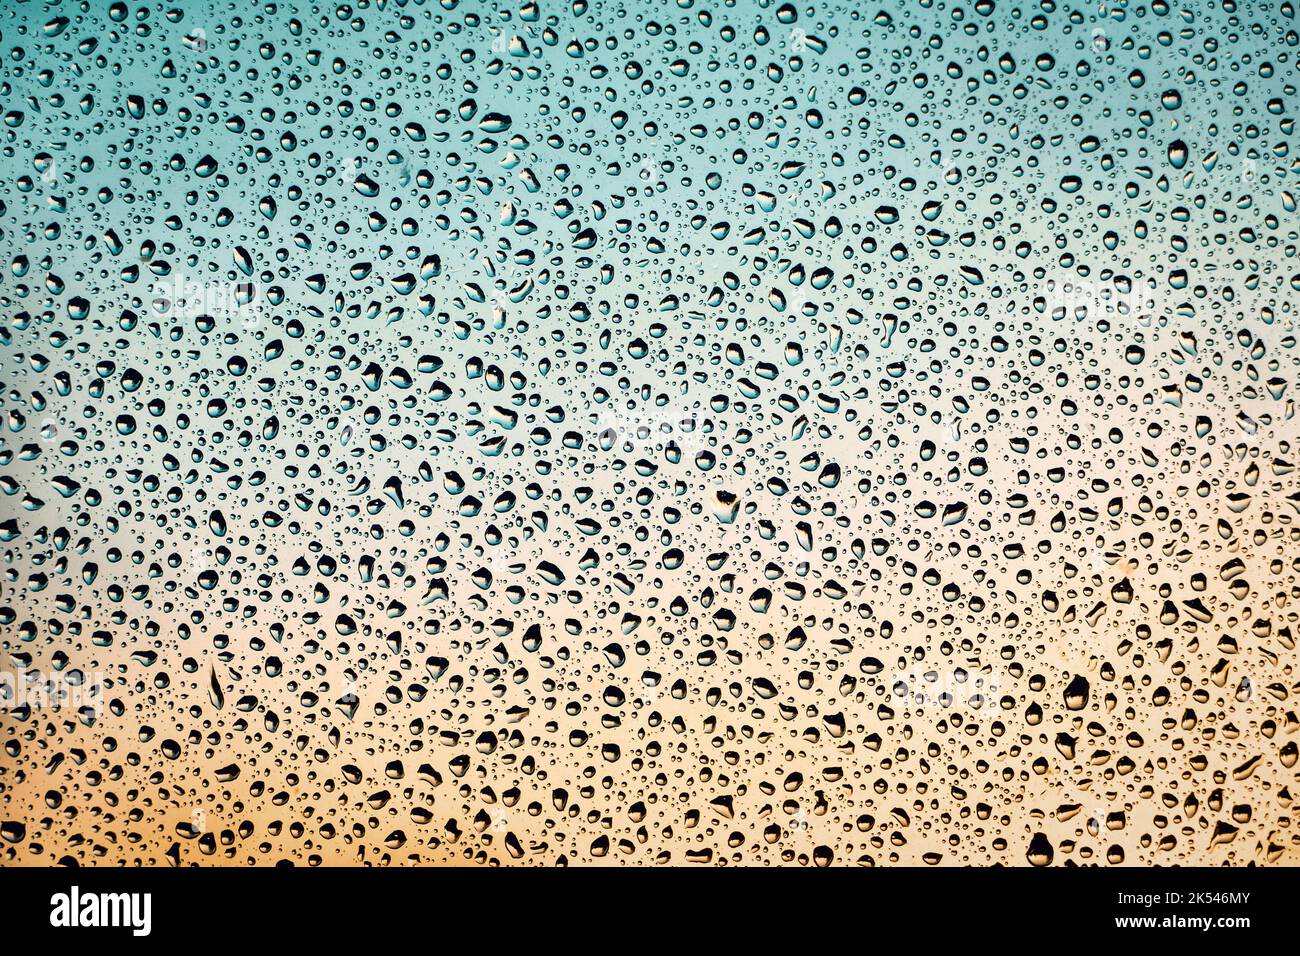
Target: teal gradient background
point(379, 570)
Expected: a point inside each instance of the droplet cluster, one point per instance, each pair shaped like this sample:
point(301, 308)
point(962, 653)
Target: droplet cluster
point(706, 432)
